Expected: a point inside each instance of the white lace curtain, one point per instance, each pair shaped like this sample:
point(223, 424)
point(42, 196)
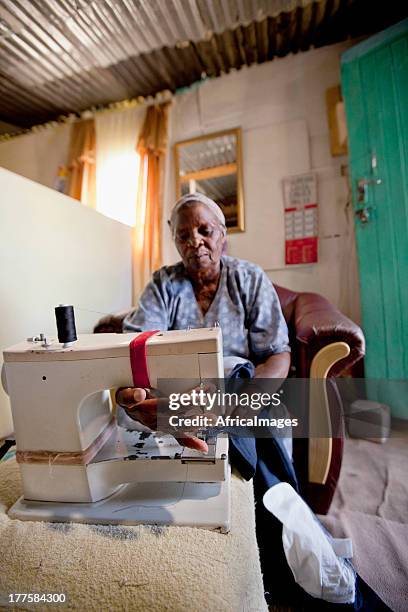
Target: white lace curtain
point(117, 163)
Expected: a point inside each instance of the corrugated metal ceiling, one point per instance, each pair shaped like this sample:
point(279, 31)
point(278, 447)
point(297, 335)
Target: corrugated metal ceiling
point(62, 56)
point(68, 37)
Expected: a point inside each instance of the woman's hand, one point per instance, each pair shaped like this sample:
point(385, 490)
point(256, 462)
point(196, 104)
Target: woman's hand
point(142, 404)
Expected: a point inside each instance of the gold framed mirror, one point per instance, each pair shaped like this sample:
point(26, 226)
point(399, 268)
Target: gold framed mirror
point(212, 165)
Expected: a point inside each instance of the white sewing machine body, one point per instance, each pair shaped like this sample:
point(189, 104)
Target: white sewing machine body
point(77, 464)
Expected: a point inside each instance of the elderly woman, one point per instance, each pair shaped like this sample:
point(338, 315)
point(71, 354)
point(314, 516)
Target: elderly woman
point(207, 288)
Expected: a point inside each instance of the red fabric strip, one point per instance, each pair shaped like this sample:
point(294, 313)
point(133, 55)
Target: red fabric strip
point(138, 361)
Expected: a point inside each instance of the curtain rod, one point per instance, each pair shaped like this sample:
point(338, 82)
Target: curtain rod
point(160, 98)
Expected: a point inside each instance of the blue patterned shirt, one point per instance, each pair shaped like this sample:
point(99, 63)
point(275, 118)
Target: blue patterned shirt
point(246, 306)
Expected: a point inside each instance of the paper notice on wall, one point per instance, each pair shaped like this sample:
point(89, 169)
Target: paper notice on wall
point(300, 202)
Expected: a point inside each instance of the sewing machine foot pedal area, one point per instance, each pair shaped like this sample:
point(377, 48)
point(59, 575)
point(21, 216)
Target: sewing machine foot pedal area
point(175, 503)
point(197, 496)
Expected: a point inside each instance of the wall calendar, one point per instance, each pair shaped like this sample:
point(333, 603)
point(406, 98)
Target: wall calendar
point(301, 218)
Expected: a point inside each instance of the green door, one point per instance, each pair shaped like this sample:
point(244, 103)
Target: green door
point(375, 89)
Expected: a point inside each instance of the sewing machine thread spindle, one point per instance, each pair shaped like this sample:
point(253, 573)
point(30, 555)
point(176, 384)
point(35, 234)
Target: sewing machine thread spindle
point(65, 318)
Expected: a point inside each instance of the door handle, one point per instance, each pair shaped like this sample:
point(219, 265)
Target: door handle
point(364, 181)
point(364, 214)
point(362, 191)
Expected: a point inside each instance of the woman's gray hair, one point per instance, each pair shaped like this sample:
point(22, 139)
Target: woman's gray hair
point(196, 198)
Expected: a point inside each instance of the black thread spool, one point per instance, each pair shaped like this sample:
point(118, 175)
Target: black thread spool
point(65, 317)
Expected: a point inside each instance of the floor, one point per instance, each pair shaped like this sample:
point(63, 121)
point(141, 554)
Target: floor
point(371, 507)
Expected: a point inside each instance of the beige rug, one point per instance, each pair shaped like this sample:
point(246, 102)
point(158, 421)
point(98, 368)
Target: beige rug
point(98, 567)
point(371, 507)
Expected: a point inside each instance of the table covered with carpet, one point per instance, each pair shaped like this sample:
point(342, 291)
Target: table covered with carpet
point(149, 568)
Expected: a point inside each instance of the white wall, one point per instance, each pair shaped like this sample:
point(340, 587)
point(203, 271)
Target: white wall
point(37, 155)
point(281, 109)
point(55, 251)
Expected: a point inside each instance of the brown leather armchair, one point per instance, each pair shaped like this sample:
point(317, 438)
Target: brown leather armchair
point(314, 324)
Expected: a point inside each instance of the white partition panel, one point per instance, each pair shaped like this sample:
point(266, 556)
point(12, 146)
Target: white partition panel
point(55, 251)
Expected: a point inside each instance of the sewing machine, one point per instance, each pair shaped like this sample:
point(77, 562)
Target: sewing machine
point(78, 465)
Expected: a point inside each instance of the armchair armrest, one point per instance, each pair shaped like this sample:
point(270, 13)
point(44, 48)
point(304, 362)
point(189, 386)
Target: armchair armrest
point(318, 323)
point(111, 323)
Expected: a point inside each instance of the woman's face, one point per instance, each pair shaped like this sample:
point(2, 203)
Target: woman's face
point(199, 238)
